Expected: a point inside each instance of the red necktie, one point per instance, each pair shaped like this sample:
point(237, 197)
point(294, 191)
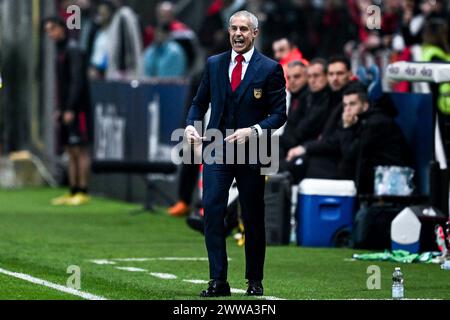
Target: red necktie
point(236, 76)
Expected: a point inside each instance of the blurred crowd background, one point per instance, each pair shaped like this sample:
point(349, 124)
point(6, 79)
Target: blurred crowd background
point(126, 40)
point(193, 30)
point(122, 40)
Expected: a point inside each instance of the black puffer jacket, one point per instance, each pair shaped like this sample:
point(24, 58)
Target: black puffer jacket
point(374, 141)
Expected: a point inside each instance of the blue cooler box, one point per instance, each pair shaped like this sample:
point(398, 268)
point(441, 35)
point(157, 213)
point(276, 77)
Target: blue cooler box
point(325, 208)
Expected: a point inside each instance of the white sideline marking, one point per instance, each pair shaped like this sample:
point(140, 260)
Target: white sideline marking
point(240, 291)
point(132, 260)
point(102, 262)
point(169, 276)
point(131, 269)
point(196, 281)
point(233, 290)
point(271, 298)
point(51, 285)
point(166, 276)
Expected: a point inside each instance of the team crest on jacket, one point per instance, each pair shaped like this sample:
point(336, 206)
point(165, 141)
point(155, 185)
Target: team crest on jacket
point(257, 93)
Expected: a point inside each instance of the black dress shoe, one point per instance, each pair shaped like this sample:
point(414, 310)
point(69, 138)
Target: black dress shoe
point(216, 288)
point(255, 288)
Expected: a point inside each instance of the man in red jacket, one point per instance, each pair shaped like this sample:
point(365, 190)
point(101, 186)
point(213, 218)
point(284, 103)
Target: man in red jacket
point(285, 53)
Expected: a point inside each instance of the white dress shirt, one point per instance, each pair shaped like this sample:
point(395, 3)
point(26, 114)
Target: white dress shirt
point(247, 57)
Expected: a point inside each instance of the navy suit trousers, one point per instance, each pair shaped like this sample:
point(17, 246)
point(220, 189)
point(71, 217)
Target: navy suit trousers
point(217, 180)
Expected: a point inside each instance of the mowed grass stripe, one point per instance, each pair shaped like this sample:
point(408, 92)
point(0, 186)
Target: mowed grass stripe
point(17, 289)
point(43, 241)
point(51, 285)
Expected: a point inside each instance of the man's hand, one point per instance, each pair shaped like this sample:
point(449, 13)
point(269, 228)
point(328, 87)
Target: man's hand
point(68, 117)
point(349, 119)
point(240, 136)
point(295, 153)
point(192, 136)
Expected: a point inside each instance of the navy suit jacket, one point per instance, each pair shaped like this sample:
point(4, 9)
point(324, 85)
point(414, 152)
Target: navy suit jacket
point(261, 96)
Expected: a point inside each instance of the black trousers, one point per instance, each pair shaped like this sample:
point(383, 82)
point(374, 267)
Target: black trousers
point(217, 179)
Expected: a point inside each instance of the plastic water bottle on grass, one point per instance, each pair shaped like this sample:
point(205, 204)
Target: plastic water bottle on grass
point(398, 290)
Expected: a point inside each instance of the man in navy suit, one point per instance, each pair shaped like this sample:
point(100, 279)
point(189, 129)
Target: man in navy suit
point(247, 94)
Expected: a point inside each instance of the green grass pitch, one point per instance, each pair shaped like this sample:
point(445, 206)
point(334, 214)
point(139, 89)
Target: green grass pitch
point(42, 241)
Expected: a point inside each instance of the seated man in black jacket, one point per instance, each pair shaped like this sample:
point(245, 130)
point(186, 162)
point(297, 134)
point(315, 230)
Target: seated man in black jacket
point(307, 121)
point(368, 137)
point(340, 78)
point(298, 89)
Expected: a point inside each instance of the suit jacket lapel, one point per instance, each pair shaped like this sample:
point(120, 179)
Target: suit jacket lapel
point(250, 74)
point(224, 80)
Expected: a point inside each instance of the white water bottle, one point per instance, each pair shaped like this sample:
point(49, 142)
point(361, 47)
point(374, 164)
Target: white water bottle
point(398, 289)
